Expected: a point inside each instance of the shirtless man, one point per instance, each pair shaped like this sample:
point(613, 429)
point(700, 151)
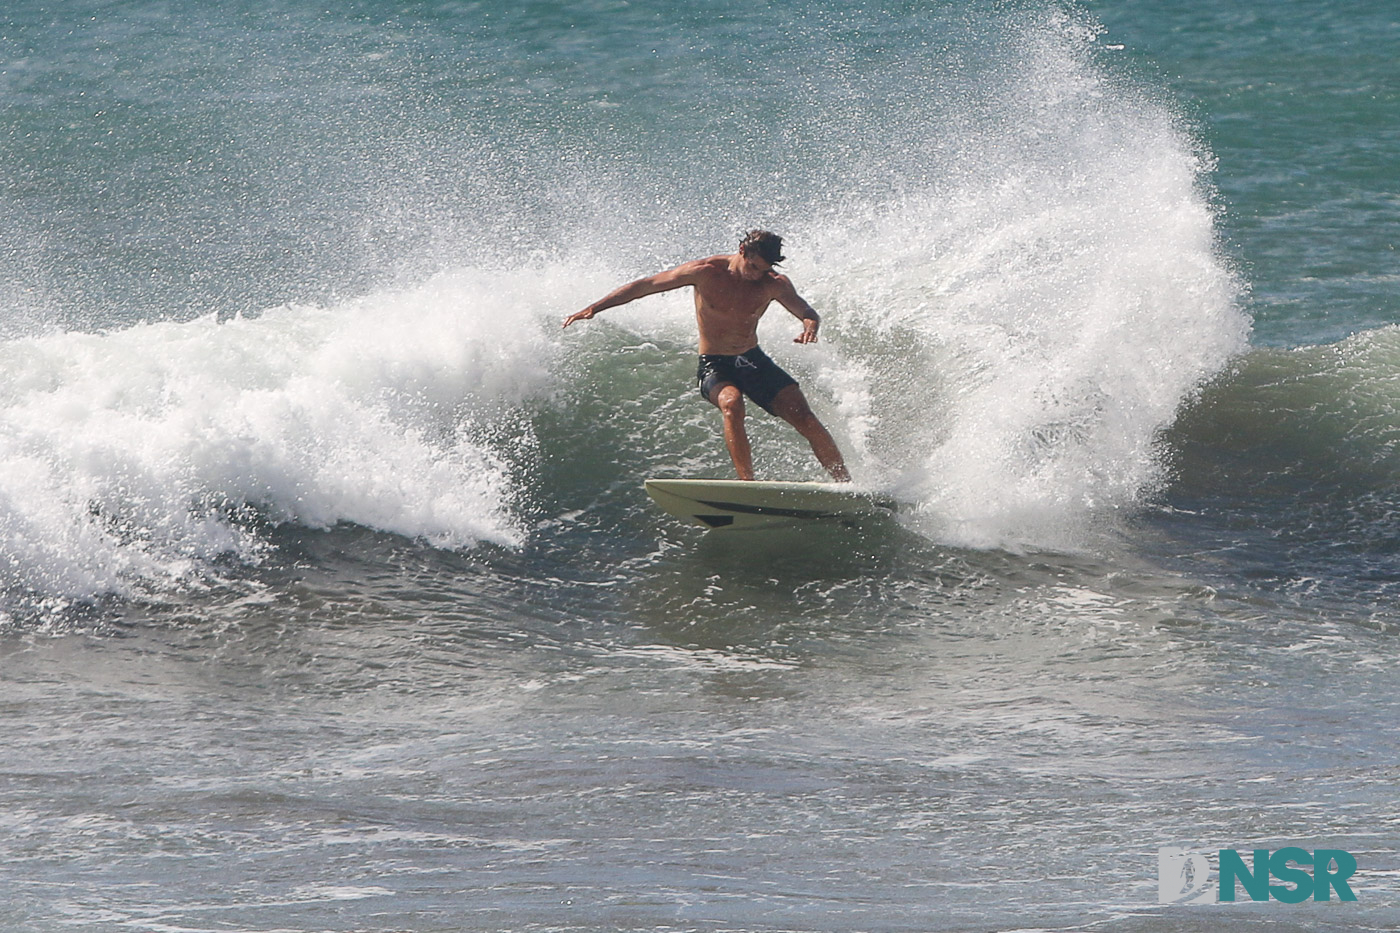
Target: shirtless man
point(731, 293)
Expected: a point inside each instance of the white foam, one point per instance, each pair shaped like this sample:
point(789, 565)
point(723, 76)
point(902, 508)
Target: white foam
point(126, 457)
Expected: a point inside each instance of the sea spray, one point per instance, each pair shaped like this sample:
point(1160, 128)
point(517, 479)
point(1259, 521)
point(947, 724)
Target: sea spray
point(1034, 319)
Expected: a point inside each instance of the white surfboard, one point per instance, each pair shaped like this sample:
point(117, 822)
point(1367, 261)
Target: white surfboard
point(732, 503)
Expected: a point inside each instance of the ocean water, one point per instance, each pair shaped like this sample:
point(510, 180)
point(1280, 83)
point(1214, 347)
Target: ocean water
point(329, 596)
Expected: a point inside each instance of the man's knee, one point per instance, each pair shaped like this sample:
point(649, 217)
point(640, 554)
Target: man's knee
point(730, 401)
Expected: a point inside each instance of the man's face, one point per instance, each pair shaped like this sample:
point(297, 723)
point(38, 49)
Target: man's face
point(753, 268)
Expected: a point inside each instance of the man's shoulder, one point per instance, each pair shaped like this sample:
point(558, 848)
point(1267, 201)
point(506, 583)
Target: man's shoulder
point(692, 272)
point(711, 264)
point(699, 268)
point(780, 283)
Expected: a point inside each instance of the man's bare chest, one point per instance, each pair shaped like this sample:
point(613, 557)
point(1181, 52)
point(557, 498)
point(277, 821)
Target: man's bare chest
point(734, 301)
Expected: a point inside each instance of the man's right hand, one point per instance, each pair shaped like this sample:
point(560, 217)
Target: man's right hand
point(585, 315)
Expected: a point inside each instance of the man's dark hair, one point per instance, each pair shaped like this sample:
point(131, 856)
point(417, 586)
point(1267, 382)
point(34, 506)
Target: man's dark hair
point(764, 244)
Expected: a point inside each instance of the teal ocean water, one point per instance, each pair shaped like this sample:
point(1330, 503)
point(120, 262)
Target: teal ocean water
point(329, 596)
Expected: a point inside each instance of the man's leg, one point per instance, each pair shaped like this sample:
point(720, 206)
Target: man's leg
point(730, 401)
point(791, 405)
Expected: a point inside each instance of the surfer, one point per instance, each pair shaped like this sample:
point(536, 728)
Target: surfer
point(731, 293)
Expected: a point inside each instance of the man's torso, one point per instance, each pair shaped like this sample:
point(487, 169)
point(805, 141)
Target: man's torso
point(728, 307)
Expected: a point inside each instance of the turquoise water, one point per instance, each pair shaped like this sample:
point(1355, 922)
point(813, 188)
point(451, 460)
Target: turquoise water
point(329, 597)
point(1296, 101)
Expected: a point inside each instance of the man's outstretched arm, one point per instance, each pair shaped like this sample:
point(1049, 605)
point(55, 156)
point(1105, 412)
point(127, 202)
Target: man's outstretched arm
point(679, 277)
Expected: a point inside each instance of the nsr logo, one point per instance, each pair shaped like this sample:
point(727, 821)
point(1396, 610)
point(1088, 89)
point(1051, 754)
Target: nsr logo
point(1184, 877)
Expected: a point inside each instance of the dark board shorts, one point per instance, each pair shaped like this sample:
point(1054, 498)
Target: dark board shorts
point(752, 372)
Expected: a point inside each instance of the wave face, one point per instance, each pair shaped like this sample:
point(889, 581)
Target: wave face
point(1011, 242)
point(1318, 418)
point(1293, 457)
